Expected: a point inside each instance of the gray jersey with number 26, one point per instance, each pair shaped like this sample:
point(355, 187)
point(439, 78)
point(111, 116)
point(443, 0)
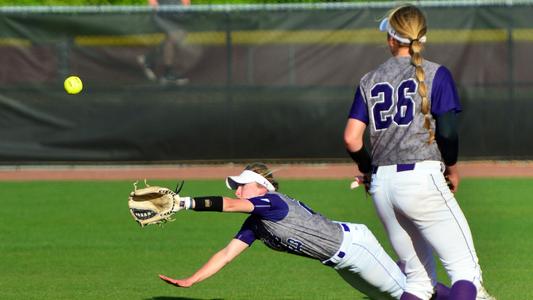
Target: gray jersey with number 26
point(388, 101)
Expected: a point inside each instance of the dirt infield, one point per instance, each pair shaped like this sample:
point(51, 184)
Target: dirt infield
point(296, 171)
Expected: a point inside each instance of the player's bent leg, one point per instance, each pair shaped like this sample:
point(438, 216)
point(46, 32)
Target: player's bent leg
point(414, 253)
point(417, 257)
point(363, 285)
point(389, 196)
point(368, 268)
point(449, 235)
point(451, 238)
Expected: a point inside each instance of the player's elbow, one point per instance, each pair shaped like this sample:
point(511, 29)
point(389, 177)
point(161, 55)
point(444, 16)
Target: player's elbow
point(352, 142)
point(353, 135)
point(227, 255)
point(225, 259)
point(230, 205)
point(447, 135)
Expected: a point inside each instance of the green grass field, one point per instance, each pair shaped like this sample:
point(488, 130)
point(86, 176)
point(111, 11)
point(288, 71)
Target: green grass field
point(76, 240)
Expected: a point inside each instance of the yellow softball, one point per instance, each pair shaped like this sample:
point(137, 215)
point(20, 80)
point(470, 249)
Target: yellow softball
point(73, 85)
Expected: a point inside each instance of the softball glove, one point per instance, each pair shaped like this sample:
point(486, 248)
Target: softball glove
point(153, 204)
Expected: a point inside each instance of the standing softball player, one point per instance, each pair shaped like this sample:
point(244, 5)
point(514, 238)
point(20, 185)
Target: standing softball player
point(408, 103)
point(286, 224)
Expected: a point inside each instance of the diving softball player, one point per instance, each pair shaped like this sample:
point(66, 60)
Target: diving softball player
point(288, 225)
point(407, 103)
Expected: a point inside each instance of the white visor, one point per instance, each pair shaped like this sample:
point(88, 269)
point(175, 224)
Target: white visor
point(385, 27)
point(247, 176)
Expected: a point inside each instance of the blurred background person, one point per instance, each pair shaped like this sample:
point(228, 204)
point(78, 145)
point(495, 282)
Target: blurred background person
point(172, 71)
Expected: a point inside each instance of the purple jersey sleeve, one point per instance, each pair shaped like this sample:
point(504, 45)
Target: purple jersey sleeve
point(269, 207)
point(359, 109)
point(246, 233)
point(444, 96)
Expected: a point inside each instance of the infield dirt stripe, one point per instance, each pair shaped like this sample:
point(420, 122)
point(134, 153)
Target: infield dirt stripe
point(293, 171)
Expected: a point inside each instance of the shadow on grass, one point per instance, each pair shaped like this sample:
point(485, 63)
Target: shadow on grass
point(180, 298)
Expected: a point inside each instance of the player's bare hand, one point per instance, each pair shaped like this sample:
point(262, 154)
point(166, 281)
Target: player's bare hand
point(361, 180)
point(176, 282)
point(452, 177)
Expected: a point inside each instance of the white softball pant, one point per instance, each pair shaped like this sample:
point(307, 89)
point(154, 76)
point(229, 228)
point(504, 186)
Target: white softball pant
point(364, 264)
point(421, 215)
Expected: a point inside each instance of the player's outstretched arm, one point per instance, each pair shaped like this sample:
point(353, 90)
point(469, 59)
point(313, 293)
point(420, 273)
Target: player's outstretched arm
point(217, 203)
point(237, 205)
point(213, 265)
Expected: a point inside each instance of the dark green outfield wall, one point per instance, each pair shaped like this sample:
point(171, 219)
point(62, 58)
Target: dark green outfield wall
point(263, 83)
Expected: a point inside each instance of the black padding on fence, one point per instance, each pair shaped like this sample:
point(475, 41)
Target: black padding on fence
point(259, 85)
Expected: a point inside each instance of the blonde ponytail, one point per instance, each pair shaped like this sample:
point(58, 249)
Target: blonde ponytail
point(415, 49)
point(409, 22)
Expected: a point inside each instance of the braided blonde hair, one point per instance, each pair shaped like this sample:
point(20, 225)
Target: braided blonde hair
point(263, 170)
point(410, 22)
